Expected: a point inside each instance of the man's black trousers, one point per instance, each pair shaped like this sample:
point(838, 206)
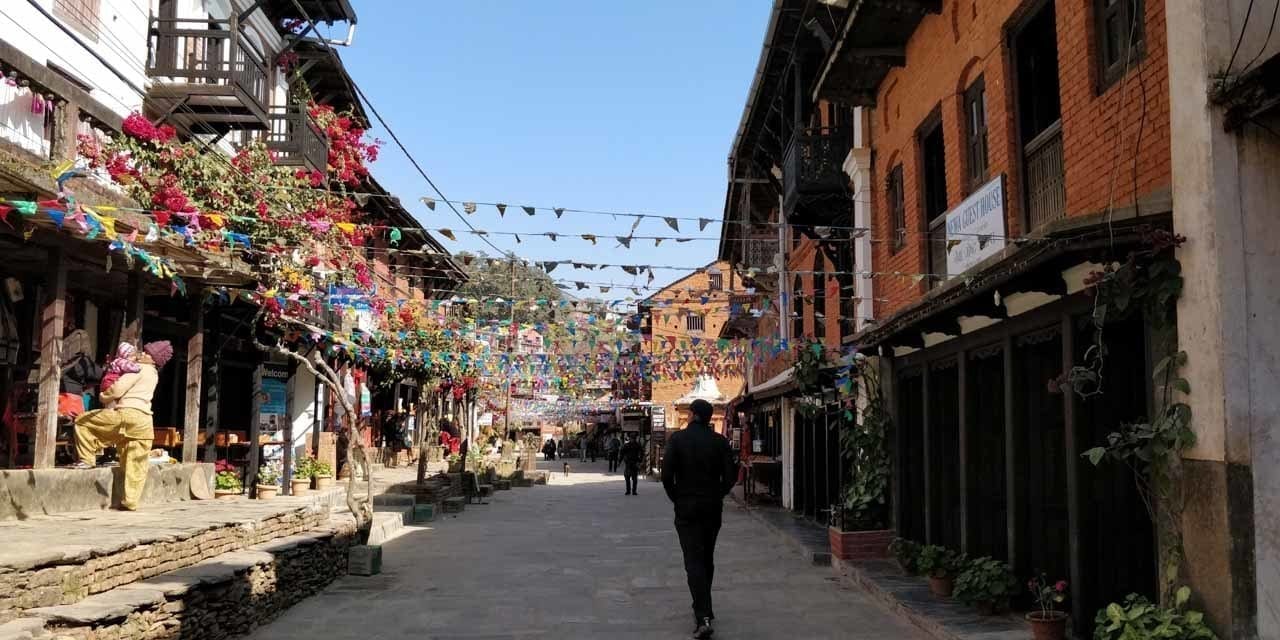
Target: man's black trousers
point(698, 524)
point(631, 474)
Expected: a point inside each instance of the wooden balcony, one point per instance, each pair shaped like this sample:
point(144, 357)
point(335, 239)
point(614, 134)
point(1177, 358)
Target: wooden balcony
point(812, 163)
point(1046, 186)
point(296, 140)
point(207, 76)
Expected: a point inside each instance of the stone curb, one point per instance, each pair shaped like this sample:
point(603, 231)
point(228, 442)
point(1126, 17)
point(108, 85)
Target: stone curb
point(817, 559)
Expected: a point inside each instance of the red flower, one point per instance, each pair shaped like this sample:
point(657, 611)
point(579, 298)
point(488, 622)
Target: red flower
point(1060, 586)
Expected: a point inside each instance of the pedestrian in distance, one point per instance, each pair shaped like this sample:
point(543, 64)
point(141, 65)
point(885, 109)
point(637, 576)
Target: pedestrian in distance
point(632, 455)
point(697, 473)
point(612, 451)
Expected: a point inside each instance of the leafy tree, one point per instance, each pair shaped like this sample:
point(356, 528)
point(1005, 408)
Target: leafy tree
point(508, 278)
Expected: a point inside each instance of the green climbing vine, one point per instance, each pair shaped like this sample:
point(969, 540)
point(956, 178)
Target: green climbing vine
point(864, 442)
point(1149, 281)
point(864, 425)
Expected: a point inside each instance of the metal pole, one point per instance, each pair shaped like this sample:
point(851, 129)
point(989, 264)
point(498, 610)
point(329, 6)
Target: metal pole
point(506, 405)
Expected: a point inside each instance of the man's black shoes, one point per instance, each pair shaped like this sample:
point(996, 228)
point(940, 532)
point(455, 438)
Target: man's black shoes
point(704, 630)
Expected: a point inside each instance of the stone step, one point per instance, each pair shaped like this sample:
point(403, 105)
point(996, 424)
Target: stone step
point(455, 504)
point(389, 521)
point(502, 485)
point(65, 558)
point(223, 596)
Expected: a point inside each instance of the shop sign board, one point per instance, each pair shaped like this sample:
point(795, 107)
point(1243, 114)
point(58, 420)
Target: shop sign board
point(975, 228)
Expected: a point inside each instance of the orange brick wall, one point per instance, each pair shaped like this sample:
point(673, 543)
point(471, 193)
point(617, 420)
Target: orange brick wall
point(970, 39)
point(669, 321)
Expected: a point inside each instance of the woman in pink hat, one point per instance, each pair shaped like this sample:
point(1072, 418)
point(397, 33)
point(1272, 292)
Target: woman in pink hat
point(127, 425)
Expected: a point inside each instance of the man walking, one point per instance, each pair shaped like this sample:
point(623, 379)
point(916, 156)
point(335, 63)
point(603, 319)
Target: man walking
point(632, 454)
point(614, 447)
point(697, 473)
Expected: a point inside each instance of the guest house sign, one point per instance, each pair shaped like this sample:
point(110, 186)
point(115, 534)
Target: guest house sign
point(975, 228)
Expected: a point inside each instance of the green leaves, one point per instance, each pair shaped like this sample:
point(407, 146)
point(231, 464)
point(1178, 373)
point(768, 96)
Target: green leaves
point(1095, 455)
point(1139, 619)
point(985, 580)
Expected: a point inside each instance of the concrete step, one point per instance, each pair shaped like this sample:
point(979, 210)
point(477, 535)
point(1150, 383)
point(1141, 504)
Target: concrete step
point(223, 596)
point(391, 514)
point(65, 558)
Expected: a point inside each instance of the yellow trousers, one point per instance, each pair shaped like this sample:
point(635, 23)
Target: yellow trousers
point(130, 431)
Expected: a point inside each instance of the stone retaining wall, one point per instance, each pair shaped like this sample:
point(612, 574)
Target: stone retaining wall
point(71, 580)
point(25, 493)
point(224, 597)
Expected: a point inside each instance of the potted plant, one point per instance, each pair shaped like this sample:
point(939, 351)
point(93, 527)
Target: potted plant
point(323, 474)
point(226, 481)
point(987, 584)
point(300, 483)
point(455, 463)
point(1138, 618)
point(1048, 623)
point(906, 552)
point(939, 564)
point(268, 483)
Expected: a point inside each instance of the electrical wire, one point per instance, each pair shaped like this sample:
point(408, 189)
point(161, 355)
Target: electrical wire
point(1244, 28)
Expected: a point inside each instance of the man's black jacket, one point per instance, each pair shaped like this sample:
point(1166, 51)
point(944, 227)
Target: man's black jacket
point(698, 463)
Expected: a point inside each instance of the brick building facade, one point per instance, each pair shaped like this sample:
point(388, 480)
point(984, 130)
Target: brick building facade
point(687, 316)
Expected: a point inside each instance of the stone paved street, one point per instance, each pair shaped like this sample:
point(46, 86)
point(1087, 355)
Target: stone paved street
point(578, 559)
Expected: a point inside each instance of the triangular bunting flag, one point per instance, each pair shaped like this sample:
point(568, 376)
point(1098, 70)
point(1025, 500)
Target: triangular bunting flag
point(703, 222)
point(559, 211)
point(626, 242)
point(469, 207)
point(589, 237)
point(529, 210)
point(448, 234)
point(673, 223)
point(430, 202)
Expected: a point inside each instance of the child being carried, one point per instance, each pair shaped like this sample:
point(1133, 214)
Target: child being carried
point(124, 362)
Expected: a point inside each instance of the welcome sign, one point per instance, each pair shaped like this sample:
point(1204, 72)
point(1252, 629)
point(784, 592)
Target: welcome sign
point(975, 228)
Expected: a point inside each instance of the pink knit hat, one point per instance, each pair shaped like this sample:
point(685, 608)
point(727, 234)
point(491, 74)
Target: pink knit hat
point(160, 352)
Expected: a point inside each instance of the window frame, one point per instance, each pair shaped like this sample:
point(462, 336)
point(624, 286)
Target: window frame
point(689, 322)
point(976, 135)
point(895, 191)
point(1132, 14)
point(84, 16)
point(715, 282)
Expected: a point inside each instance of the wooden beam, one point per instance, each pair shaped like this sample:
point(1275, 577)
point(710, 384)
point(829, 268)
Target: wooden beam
point(1010, 454)
point(133, 306)
point(255, 432)
point(195, 375)
point(53, 316)
point(212, 388)
point(962, 361)
point(1072, 453)
point(930, 532)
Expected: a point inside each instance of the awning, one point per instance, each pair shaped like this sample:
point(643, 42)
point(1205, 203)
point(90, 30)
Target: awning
point(779, 385)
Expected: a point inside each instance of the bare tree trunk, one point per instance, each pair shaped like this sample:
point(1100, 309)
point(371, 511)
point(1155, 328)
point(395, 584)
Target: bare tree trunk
point(362, 511)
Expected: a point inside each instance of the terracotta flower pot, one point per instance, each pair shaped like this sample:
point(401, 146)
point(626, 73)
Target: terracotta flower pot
point(1052, 627)
point(323, 482)
point(300, 486)
point(267, 492)
point(226, 494)
point(941, 587)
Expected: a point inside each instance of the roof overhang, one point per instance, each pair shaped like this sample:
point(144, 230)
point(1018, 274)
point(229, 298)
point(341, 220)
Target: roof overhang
point(326, 11)
point(327, 78)
point(872, 41)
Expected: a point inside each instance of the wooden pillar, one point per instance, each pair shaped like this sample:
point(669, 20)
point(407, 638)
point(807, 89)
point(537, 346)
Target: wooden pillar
point(1010, 454)
point(53, 316)
point(212, 389)
point(133, 310)
point(930, 532)
point(963, 422)
point(889, 390)
point(286, 456)
point(255, 432)
point(195, 374)
point(1072, 453)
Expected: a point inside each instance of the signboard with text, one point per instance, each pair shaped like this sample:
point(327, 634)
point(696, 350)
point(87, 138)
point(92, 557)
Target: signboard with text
point(975, 228)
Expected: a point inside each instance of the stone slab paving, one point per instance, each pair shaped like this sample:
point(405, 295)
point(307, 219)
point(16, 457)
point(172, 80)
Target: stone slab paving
point(578, 559)
point(74, 537)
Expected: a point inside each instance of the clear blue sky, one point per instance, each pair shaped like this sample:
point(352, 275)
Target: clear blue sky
point(619, 105)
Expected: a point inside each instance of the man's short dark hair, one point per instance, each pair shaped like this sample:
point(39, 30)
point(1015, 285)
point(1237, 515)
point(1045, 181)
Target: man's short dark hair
point(702, 410)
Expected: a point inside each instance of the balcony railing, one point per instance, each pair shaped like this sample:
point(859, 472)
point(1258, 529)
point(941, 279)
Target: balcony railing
point(740, 305)
point(296, 140)
point(1046, 186)
point(812, 163)
point(209, 64)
